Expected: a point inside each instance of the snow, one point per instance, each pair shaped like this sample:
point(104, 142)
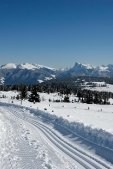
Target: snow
point(96, 116)
point(88, 66)
point(103, 68)
point(8, 94)
point(24, 66)
point(99, 83)
point(2, 79)
point(48, 78)
point(9, 66)
point(31, 143)
point(41, 66)
point(32, 66)
point(40, 81)
point(53, 76)
point(27, 66)
point(24, 146)
point(99, 87)
point(91, 123)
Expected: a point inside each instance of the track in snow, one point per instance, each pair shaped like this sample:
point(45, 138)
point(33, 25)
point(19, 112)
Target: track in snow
point(24, 146)
point(84, 160)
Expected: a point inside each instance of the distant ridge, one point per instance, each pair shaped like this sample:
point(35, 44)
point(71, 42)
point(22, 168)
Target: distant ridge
point(88, 70)
point(25, 73)
point(34, 73)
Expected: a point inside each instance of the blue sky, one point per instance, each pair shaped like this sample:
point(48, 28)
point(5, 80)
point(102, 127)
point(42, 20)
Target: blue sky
point(56, 33)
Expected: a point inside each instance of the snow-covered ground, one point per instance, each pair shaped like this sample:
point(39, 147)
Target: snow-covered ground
point(96, 116)
point(88, 127)
point(100, 86)
point(29, 142)
point(24, 146)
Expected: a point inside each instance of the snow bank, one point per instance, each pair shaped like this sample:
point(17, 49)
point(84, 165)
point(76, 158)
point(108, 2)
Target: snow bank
point(97, 136)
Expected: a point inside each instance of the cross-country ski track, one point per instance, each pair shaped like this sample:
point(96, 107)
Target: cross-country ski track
point(26, 142)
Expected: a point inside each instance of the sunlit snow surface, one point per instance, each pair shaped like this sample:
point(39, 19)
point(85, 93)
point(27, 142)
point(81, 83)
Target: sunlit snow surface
point(24, 146)
point(99, 87)
point(97, 116)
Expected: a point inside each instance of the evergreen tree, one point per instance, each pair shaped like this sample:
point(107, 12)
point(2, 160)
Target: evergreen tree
point(23, 92)
point(66, 99)
point(34, 96)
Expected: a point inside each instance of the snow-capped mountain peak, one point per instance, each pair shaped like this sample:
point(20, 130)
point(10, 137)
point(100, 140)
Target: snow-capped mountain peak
point(29, 66)
point(88, 70)
point(102, 68)
point(87, 66)
point(33, 73)
point(9, 66)
point(25, 73)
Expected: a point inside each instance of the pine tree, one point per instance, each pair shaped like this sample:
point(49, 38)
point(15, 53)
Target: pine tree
point(23, 92)
point(66, 99)
point(34, 96)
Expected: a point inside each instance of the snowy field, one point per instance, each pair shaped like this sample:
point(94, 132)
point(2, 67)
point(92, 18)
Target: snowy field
point(100, 86)
point(93, 115)
point(89, 127)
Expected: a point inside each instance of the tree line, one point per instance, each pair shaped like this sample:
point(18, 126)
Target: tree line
point(65, 87)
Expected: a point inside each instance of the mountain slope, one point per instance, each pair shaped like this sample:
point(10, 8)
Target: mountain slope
point(34, 73)
point(88, 70)
point(25, 73)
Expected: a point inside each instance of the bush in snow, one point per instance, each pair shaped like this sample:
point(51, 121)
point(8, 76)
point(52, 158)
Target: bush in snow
point(66, 99)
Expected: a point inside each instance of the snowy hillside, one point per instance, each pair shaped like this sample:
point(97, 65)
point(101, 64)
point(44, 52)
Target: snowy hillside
point(88, 70)
point(26, 73)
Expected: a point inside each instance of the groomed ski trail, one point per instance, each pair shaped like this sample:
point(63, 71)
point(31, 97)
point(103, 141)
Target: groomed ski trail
point(82, 160)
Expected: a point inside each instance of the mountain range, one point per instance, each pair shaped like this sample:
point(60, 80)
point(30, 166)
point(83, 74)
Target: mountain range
point(34, 73)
